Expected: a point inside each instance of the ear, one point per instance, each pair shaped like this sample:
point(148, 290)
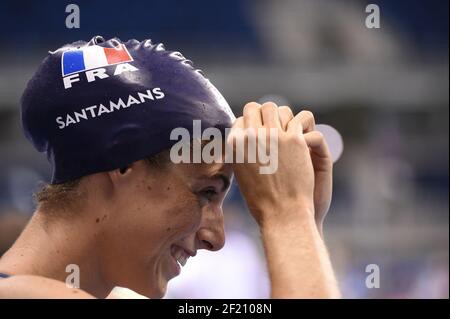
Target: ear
point(126, 178)
point(124, 175)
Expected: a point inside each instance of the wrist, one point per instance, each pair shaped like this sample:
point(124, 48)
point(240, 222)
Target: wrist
point(278, 237)
point(292, 213)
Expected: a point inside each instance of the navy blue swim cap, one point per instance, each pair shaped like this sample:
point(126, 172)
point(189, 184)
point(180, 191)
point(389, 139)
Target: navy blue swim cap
point(100, 105)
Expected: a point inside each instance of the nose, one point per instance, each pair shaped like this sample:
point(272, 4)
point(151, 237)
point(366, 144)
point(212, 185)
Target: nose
point(211, 234)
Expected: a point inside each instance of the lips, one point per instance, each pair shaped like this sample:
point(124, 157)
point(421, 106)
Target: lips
point(180, 256)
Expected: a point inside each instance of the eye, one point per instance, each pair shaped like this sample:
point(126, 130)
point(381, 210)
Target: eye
point(209, 193)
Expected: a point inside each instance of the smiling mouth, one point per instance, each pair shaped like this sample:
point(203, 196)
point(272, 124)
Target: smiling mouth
point(179, 255)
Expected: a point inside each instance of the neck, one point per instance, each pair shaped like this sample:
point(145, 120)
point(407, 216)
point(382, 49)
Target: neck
point(49, 244)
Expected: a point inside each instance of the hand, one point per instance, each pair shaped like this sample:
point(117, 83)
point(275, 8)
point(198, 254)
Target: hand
point(322, 163)
point(321, 160)
point(288, 192)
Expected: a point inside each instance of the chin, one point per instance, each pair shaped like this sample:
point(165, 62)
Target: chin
point(153, 291)
point(157, 293)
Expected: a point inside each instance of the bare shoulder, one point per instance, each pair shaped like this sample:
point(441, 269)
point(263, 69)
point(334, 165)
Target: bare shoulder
point(27, 286)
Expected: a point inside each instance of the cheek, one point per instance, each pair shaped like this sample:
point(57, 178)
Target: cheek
point(139, 218)
point(132, 199)
point(164, 213)
point(183, 217)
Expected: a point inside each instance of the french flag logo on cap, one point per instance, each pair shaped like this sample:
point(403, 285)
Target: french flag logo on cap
point(91, 57)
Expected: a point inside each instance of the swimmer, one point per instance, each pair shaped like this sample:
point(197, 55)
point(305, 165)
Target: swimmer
point(119, 209)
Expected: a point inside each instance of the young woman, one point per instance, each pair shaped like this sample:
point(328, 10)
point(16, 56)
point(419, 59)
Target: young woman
point(121, 212)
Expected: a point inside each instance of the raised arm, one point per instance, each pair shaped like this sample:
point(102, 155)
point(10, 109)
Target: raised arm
point(289, 205)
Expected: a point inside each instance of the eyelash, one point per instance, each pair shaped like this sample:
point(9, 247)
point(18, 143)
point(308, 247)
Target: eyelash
point(209, 193)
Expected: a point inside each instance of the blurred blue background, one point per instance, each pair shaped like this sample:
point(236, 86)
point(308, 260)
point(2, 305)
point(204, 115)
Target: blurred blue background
point(385, 90)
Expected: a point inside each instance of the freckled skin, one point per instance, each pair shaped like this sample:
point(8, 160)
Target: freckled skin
point(152, 221)
point(122, 233)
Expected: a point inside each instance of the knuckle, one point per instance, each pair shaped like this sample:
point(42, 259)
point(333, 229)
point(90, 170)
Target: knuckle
point(269, 106)
point(308, 114)
point(251, 106)
point(285, 108)
point(319, 135)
